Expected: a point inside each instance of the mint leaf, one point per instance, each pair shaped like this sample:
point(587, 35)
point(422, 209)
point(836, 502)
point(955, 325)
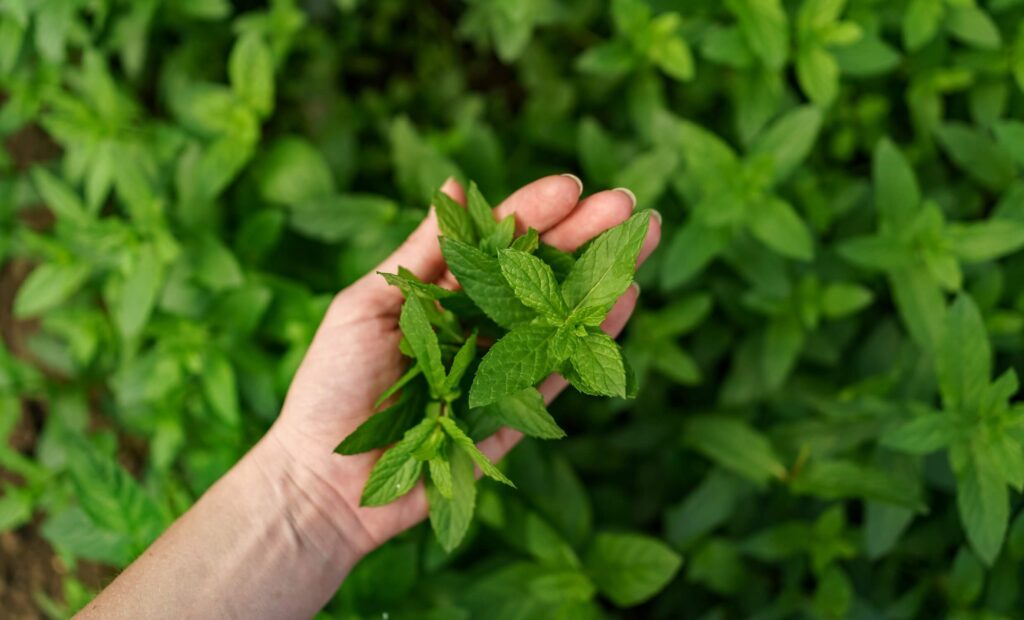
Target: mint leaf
point(984, 508)
point(463, 442)
point(48, 286)
point(450, 517)
point(453, 220)
point(924, 434)
point(441, 475)
point(964, 360)
point(463, 358)
point(480, 212)
point(533, 283)
point(501, 237)
point(423, 342)
point(734, 445)
point(563, 343)
point(397, 471)
point(630, 568)
point(388, 426)
point(251, 71)
point(519, 360)
point(411, 285)
point(597, 366)
point(604, 271)
point(897, 196)
point(413, 372)
point(480, 276)
point(776, 224)
point(527, 242)
point(525, 412)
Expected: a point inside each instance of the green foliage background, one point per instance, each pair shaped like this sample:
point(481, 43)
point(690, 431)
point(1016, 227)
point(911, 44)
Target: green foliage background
point(820, 430)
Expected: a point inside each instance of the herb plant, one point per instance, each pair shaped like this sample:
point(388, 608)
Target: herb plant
point(543, 323)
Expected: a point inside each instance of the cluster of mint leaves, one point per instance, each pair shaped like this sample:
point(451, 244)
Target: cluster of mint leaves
point(542, 306)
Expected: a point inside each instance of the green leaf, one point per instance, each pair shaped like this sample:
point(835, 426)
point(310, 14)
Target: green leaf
point(220, 388)
point(251, 72)
point(111, 497)
point(605, 270)
point(921, 304)
point(921, 21)
point(423, 342)
point(608, 60)
point(840, 479)
point(689, 252)
point(963, 363)
point(840, 299)
point(292, 172)
point(525, 412)
point(897, 197)
point(341, 217)
point(775, 223)
point(139, 291)
point(973, 26)
point(480, 212)
point(789, 139)
point(734, 445)
point(763, 24)
point(924, 434)
point(984, 507)
point(450, 517)
point(480, 276)
point(597, 366)
point(460, 364)
point(464, 443)
point(518, 361)
point(59, 197)
point(648, 174)
point(453, 219)
point(984, 241)
point(397, 470)
point(977, 155)
point(388, 426)
point(533, 283)
point(48, 286)
point(630, 568)
point(441, 475)
point(818, 74)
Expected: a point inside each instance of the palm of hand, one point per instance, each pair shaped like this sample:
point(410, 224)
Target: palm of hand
point(354, 356)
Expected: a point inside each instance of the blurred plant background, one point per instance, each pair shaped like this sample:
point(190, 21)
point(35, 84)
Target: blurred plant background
point(827, 425)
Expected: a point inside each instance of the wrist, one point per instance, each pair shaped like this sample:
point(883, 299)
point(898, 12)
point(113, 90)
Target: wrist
point(300, 478)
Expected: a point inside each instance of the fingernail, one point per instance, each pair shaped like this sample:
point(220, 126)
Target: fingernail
point(629, 194)
point(656, 215)
point(579, 183)
point(635, 286)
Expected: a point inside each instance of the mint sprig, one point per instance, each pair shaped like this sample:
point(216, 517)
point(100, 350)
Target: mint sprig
point(543, 308)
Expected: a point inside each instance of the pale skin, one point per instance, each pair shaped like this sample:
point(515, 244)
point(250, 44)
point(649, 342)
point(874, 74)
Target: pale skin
point(276, 536)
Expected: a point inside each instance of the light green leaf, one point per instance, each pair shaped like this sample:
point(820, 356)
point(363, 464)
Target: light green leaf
point(480, 212)
point(775, 223)
point(525, 412)
point(921, 21)
point(789, 139)
point(630, 568)
point(441, 475)
point(220, 387)
point(453, 219)
point(138, 294)
point(818, 74)
point(840, 299)
point(984, 508)
point(985, 241)
point(251, 72)
point(597, 366)
point(897, 197)
point(397, 470)
point(977, 155)
point(450, 517)
point(763, 24)
point(963, 363)
point(923, 434)
point(605, 270)
point(48, 286)
point(423, 341)
point(464, 443)
point(973, 26)
point(519, 360)
point(388, 426)
point(460, 364)
point(480, 276)
point(534, 283)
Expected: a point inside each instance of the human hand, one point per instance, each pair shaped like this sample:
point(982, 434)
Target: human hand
point(354, 356)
